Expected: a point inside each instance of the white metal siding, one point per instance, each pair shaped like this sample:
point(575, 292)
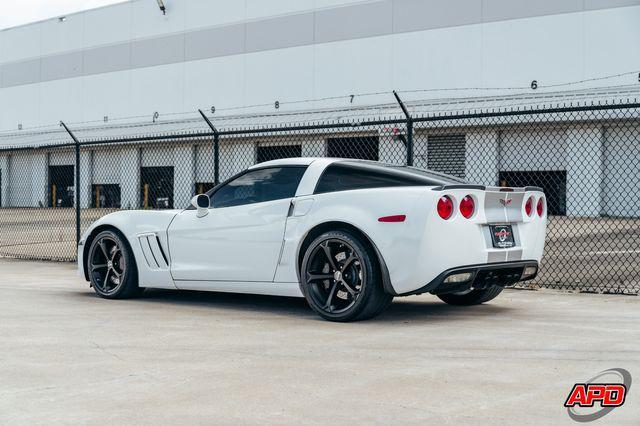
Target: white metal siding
point(161, 156)
point(27, 192)
point(106, 167)
point(65, 158)
point(235, 157)
point(622, 168)
point(543, 149)
point(204, 163)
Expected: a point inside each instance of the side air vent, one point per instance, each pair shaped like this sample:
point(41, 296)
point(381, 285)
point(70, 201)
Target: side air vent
point(153, 252)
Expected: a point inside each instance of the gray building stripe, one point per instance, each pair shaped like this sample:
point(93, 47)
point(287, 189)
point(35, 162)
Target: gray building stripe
point(608, 4)
point(279, 33)
point(352, 22)
point(215, 42)
point(18, 73)
point(112, 58)
point(61, 66)
point(341, 23)
point(157, 51)
point(420, 15)
point(500, 10)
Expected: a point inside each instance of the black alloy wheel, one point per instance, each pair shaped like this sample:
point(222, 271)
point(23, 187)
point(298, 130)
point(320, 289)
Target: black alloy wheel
point(334, 275)
point(112, 268)
point(341, 278)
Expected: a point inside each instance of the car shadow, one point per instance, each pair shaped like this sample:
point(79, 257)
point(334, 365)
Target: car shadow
point(432, 309)
point(292, 306)
point(410, 309)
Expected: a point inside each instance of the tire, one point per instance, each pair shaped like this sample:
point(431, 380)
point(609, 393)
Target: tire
point(474, 297)
point(113, 272)
point(341, 278)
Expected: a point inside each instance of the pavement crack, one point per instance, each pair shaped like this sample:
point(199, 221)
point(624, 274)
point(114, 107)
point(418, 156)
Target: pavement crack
point(106, 351)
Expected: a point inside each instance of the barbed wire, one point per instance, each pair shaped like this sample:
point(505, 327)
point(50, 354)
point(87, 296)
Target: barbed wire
point(349, 97)
point(539, 86)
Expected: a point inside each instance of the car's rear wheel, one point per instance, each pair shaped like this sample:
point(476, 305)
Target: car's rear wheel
point(112, 267)
point(341, 278)
point(473, 297)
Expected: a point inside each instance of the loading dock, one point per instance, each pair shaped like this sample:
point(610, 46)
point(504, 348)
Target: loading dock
point(61, 186)
point(105, 196)
point(360, 147)
point(156, 187)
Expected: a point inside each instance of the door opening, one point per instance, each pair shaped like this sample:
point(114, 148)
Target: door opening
point(156, 190)
point(61, 186)
point(362, 147)
point(552, 182)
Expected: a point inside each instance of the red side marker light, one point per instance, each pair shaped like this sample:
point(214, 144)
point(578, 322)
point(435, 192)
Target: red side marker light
point(392, 219)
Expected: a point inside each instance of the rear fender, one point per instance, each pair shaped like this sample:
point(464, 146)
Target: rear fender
point(361, 210)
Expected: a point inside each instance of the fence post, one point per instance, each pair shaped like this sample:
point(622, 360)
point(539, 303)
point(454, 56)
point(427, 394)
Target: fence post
point(216, 159)
point(216, 148)
point(409, 142)
point(409, 129)
point(77, 185)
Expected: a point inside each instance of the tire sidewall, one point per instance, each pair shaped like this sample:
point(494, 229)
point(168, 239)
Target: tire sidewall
point(366, 260)
point(131, 275)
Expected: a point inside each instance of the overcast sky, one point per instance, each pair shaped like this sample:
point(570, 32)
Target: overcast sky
point(18, 12)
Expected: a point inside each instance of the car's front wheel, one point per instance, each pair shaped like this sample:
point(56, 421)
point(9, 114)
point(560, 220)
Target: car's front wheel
point(341, 279)
point(472, 297)
point(112, 267)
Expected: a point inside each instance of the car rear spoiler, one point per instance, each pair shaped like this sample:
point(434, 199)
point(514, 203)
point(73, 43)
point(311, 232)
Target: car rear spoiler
point(484, 188)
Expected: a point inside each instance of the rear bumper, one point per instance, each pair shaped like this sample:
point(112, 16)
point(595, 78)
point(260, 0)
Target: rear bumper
point(480, 277)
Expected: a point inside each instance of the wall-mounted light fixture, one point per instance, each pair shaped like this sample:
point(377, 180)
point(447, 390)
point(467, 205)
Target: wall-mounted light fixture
point(62, 19)
point(162, 7)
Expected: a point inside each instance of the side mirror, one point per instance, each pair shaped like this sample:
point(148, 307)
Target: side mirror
point(201, 202)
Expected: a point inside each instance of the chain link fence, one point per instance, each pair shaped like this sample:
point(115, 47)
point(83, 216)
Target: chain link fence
point(587, 160)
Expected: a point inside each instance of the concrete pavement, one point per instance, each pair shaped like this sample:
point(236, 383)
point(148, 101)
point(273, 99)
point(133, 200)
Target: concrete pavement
point(67, 356)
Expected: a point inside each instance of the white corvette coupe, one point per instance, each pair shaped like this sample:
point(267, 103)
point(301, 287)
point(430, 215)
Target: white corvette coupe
point(347, 235)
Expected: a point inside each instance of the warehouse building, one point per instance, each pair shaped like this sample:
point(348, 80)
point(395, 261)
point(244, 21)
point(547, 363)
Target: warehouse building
point(130, 69)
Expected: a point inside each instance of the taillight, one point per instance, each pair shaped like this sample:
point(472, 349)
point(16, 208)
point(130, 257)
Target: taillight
point(445, 207)
point(540, 207)
point(467, 206)
point(528, 207)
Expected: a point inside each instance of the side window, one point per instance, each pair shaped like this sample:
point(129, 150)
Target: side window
point(340, 177)
point(257, 186)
